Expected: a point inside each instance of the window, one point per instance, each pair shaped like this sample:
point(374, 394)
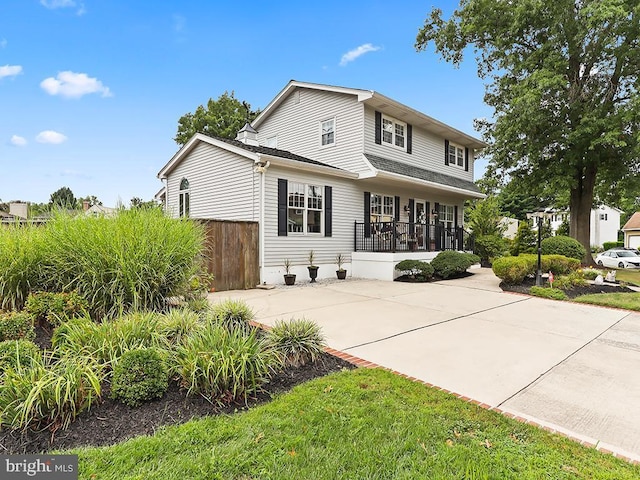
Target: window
point(381, 208)
point(446, 215)
point(603, 216)
point(271, 142)
point(183, 198)
point(328, 132)
point(394, 132)
point(305, 208)
point(456, 155)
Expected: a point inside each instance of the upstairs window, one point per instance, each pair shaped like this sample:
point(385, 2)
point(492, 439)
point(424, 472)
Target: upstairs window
point(456, 155)
point(394, 132)
point(328, 132)
point(183, 198)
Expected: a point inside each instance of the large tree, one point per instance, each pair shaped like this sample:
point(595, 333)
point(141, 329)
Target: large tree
point(562, 77)
point(220, 118)
point(63, 198)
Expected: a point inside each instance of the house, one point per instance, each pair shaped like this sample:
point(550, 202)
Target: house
point(631, 231)
point(333, 170)
point(605, 223)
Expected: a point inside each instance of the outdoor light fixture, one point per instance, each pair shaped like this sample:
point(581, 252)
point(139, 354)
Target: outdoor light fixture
point(406, 208)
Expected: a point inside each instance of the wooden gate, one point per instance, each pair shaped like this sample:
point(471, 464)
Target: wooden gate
point(232, 254)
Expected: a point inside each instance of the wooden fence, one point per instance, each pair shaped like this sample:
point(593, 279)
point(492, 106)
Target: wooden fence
point(232, 254)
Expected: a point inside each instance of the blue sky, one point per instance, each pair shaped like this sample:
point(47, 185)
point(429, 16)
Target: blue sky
point(91, 90)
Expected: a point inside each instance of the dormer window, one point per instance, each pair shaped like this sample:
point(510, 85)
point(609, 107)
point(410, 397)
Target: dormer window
point(328, 132)
point(394, 132)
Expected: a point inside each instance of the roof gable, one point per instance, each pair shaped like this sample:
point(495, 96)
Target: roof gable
point(633, 223)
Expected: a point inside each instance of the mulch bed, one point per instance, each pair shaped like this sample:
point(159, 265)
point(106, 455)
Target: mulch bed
point(572, 293)
point(111, 422)
point(414, 279)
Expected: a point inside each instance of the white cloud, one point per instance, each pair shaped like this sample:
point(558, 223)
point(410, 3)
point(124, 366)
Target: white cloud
point(18, 141)
point(74, 85)
point(351, 55)
point(10, 70)
point(3, 43)
point(54, 4)
point(49, 136)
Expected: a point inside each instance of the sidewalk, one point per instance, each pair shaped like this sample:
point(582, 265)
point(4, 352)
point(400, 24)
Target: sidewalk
point(568, 366)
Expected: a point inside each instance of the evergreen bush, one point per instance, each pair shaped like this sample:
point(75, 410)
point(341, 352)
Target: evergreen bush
point(450, 263)
point(420, 271)
point(16, 326)
point(55, 308)
point(561, 245)
point(141, 375)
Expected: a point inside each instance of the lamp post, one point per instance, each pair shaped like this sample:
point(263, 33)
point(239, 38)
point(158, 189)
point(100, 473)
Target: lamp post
point(539, 271)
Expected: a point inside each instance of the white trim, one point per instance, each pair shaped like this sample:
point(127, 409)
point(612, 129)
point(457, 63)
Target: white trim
point(455, 163)
point(436, 186)
point(308, 167)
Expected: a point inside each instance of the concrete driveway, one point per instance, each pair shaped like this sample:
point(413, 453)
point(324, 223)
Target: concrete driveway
point(571, 367)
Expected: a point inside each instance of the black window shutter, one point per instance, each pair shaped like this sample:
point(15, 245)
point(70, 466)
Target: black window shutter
point(409, 139)
point(446, 152)
point(396, 209)
point(378, 128)
point(282, 207)
point(466, 159)
point(455, 216)
point(328, 212)
point(367, 214)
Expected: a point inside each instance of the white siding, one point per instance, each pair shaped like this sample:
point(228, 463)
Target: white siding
point(296, 122)
point(348, 207)
point(427, 150)
point(222, 185)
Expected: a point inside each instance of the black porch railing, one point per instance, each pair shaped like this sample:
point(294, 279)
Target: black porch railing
point(409, 237)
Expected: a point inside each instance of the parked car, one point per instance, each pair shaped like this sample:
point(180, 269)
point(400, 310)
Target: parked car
point(635, 251)
point(616, 258)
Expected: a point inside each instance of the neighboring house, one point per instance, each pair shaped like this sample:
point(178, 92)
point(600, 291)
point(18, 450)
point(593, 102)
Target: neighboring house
point(631, 231)
point(100, 210)
point(605, 223)
point(334, 170)
point(511, 227)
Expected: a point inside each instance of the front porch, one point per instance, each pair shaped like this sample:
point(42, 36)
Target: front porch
point(396, 236)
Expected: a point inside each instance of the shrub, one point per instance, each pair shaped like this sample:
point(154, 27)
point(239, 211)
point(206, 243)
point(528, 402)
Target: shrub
point(55, 308)
point(232, 314)
point(567, 282)
point(140, 376)
point(421, 271)
point(132, 261)
point(610, 245)
point(559, 264)
point(552, 293)
point(450, 263)
point(512, 270)
point(21, 259)
point(16, 326)
point(49, 395)
point(222, 364)
point(297, 341)
point(18, 353)
point(590, 273)
point(488, 247)
point(561, 245)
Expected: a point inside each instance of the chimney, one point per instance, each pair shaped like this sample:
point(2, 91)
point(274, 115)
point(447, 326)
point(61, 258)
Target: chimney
point(248, 135)
point(85, 205)
point(19, 209)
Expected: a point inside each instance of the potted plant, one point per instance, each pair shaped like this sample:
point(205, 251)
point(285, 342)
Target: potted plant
point(341, 272)
point(313, 269)
point(289, 278)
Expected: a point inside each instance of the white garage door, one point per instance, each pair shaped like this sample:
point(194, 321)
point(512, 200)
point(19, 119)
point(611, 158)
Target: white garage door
point(634, 242)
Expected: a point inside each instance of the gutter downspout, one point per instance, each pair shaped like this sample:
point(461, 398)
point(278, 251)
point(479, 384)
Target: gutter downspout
point(261, 168)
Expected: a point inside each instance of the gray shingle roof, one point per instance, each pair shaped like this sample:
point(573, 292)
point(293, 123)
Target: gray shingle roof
point(420, 173)
point(275, 152)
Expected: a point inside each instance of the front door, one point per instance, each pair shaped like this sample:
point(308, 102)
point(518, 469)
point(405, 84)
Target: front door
point(420, 215)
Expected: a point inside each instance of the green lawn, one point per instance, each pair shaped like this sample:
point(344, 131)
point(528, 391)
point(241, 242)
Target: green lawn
point(629, 275)
point(362, 424)
point(628, 301)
